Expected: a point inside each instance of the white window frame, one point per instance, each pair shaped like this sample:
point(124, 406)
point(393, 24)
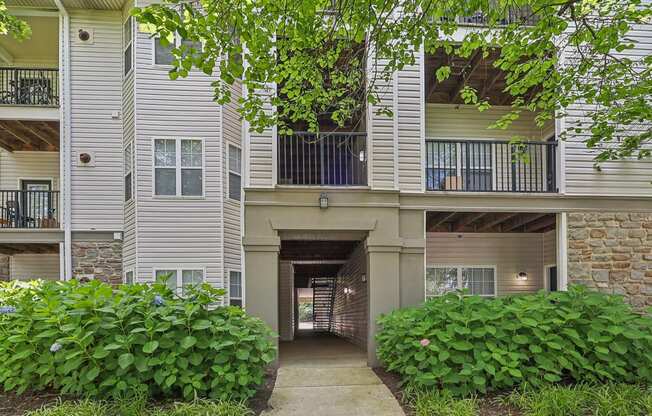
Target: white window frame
point(175, 44)
point(125, 46)
point(178, 168)
point(229, 172)
point(241, 297)
point(126, 172)
point(179, 270)
point(459, 268)
point(133, 278)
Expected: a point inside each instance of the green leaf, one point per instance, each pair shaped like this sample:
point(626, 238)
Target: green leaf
point(462, 345)
point(125, 360)
point(92, 373)
point(188, 342)
point(150, 347)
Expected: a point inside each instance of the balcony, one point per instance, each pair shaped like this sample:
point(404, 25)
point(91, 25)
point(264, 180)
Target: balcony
point(491, 166)
point(519, 15)
point(29, 209)
point(29, 87)
point(330, 159)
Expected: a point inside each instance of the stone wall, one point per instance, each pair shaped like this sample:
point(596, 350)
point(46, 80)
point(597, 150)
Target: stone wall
point(97, 260)
point(350, 309)
point(612, 253)
point(4, 267)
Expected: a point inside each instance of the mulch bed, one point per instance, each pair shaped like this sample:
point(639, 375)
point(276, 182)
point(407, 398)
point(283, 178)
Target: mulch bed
point(489, 406)
point(13, 405)
point(259, 402)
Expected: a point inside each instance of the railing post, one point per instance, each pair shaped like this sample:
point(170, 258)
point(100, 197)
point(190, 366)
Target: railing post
point(321, 160)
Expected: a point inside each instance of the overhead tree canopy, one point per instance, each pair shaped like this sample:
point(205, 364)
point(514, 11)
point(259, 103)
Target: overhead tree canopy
point(11, 25)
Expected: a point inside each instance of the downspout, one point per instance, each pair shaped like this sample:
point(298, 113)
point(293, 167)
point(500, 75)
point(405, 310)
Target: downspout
point(64, 132)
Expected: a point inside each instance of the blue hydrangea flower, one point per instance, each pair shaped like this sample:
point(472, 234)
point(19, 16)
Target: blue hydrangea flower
point(158, 300)
point(55, 347)
point(7, 309)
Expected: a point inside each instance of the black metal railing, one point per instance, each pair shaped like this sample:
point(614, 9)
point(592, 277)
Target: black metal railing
point(491, 166)
point(29, 209)
point(29, 86)
point(522, 15)
point(329, 159)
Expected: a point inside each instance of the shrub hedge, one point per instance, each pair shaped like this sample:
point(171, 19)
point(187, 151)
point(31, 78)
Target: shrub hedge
point(470, 344)
point(94, 340)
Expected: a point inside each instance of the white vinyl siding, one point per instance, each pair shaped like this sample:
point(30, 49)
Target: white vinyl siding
point(177, 231)
point(511, 253)
point(96, 88)
point(619, 178)
point(34, 266)
point(381, 134)
point(409, 118)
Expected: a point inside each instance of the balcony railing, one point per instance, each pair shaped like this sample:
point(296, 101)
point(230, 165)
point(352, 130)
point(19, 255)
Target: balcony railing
point(521, 15)
point(331, 159)
point(491, 166)
point(29, 209)
point(29, 86)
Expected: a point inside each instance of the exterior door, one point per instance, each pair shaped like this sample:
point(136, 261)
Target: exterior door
point(36, 201)
point(552, 278)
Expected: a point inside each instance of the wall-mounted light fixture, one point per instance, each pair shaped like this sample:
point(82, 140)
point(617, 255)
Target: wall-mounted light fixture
point(521, 276)
point(323, 200)
point(347, 291)
point(362, 157)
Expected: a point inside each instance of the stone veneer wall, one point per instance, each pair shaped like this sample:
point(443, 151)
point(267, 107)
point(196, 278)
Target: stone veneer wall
point(350, 310)
point(97, 260)
point(612, 253)
point(4, 267)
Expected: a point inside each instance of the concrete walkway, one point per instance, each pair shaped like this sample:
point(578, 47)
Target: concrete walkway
point(327, 376)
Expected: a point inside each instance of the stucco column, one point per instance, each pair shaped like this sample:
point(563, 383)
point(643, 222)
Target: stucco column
point(383, 286)
point(261, 279)
point(412, 258)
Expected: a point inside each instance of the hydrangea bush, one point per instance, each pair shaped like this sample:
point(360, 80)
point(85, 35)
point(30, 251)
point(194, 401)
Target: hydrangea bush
point(91, 339)
point(469, 344)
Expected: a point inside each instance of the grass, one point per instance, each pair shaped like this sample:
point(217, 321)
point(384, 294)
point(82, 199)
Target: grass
point(440, 403)
point(141, 408)
point(584, 400)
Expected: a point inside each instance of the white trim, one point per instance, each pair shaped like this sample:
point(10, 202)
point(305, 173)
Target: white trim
point(20, 179)
point(227, 286)
point(228, 171)
point(27, 12)
point(546, 279)
point(562, 251)
point(459, 268)
point(178, 168)
point(124, 48)
point(126, 271)
point(179, 269)
point(131, 145)
point(422, 115)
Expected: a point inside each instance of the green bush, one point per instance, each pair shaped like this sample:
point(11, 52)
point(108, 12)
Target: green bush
point(468, 344)
point(99, 408)
point(440, 403)
point(97, 341)
point(604, 400)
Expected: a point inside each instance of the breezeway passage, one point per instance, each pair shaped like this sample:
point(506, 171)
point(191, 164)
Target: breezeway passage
point(323, 375)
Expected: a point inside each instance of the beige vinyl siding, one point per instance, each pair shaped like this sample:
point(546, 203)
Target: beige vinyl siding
point(550, 248)
point(509, 252)
point(409, 117)
point(381, 135)
point(34, 266)
point(176, 232)
point(286, 301)
point(444, 121)
point(350, 318)
point(28, 165)
point(96, 88)
point(232, 209)
point(626, 177)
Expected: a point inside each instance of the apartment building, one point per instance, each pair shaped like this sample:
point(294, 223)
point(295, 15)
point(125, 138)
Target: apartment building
point(110, 170)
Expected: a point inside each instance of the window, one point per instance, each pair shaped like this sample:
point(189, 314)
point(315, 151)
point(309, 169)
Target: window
point(235, 288)
point(128, 170)
point(128, 35)
point(178, 167)
point(235, 172)
point(163, 52)
point(178, 280)
point(479, 280)
point(129, 277)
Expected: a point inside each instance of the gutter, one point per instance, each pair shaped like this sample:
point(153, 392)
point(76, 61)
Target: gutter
point(65, 140)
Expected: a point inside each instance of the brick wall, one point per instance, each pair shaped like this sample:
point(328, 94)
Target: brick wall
point(612, 253)
point(350, 310)
point(97, 260)
point(4, 267)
